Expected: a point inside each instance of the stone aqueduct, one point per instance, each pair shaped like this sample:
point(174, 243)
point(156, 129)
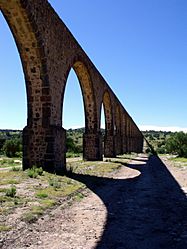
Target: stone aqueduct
point(48, 52)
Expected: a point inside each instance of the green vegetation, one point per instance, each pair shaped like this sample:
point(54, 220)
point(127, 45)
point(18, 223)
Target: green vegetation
point(33, 214)
point(10, 162)
point(11, 143)
point(168, 142)
point(4, 228)
point(34, 172)
point(179, 159)
point(42, 195)
point(74, 142)
point(36, 196)
point(11, 192)
point(55, 182)
point(12, 147)
point(177, 144)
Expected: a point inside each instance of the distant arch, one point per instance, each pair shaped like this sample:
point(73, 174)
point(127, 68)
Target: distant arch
point(109, 141)
point(117, 119)
point(108, 112)
point(118, 141)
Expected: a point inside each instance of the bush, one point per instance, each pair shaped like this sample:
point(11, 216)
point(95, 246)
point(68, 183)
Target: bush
point(161, 150)
point(34, 172)
point(72, 146)
point(11, 147)
point(177, 144)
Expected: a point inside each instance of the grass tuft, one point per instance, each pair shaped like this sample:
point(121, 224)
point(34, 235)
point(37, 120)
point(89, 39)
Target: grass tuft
point(11, 192)
point(4, 228)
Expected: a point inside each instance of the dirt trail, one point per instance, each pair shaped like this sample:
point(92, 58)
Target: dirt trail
point(140, 207)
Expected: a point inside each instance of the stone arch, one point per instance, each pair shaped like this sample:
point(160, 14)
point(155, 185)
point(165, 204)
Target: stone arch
point(92, 139)
point(86, 86)
point(31, 54)
point(109, 141)
point(30, 47)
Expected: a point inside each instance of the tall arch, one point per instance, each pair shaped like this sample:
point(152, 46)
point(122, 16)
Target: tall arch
point(91, 138)
point(12, 83)
point(31, 51)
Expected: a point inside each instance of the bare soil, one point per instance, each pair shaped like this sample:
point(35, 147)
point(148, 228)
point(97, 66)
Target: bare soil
point(143, 205)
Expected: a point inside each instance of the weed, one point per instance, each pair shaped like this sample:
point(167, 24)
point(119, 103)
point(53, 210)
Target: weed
point(34, 172)
point(55, 183)
point(12, 177)
point(179, 159)
point(39, 171)
point(3, 190)
point(41, 195)
point(15, 168)
point(11, 192)
point(12, 181)
point(29, 217)
point(47, 203)
point(32, 215)
point(79, 196)
point(4, 228)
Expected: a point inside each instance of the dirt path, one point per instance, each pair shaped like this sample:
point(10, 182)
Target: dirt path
point(139, 207)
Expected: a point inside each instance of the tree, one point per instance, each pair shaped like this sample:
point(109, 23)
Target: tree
point(72, 146)
point(11, 147)
point(177, 143)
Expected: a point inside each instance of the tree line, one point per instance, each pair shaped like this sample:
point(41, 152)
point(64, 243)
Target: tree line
point(162, 142)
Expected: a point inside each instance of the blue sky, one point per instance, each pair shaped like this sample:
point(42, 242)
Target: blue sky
point(140, 48)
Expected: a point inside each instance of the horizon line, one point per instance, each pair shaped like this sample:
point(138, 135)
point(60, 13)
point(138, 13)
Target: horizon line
point(141, 127)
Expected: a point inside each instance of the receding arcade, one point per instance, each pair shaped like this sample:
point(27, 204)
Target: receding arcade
point(48, 52)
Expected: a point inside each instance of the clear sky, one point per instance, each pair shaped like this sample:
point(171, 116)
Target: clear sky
point(140, 48)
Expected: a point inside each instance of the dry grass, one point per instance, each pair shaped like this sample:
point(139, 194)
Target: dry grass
point(36, 196)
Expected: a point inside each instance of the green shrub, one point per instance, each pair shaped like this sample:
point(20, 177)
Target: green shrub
point(39, 171)
point(72, 145)
point(11, 147)
point(177, 144)
point(11, 192)
point(34, 172)
point(161, 150)
point(55, 183)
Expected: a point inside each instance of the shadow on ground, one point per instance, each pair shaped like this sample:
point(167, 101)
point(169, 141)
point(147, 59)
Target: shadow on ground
point(145, 212)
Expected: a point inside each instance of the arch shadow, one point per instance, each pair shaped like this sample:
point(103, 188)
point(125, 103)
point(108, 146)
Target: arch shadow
point(147, 211)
